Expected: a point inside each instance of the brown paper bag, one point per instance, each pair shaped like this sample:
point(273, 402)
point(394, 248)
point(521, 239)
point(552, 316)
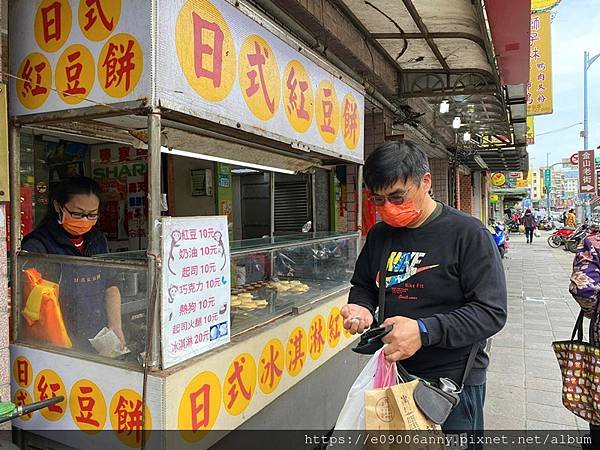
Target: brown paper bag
point(380, 415)
point(412, 417)
point(394, 409)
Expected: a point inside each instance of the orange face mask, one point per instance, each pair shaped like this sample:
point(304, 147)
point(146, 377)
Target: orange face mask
point(399, 215)
point(76, 227)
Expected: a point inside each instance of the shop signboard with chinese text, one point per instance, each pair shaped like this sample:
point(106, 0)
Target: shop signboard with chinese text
point(228, 387)
point(530, 131)
point(587, 180)
point(195, 286)
point(70, 54)
point(547, 180)
point(217, 63)
point(98, 397)
point(598, 182)
point(539, 88)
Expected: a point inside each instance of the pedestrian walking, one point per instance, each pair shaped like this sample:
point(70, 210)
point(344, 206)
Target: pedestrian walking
point(585, 287)
point(529, 223)
point(571, 219)
point(445, 290)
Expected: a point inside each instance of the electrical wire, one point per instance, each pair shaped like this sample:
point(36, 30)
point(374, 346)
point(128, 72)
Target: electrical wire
point(558, 129)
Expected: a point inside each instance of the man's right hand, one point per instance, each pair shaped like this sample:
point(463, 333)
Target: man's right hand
point(356, 318)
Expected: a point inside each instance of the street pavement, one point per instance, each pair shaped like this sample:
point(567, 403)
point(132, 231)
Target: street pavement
point(524, 381)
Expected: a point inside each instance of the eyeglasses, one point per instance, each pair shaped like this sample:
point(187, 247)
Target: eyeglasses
point(78, 215)
point(394, 199)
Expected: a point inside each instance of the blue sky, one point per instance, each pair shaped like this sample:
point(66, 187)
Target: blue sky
point(575, 28)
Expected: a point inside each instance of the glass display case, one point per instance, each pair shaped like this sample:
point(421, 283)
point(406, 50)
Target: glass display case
point(273, 277)
point(82, 305)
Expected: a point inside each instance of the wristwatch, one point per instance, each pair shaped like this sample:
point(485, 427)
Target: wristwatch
point(424, 333)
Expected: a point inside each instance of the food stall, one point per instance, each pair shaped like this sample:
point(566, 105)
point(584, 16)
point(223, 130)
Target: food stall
point(229, 296)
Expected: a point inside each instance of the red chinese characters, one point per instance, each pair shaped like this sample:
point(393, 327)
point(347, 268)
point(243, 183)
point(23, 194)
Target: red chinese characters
point(350, 121)
point(27, 75)
point(73, 74)
point(258, 60)
point(200, 407)
point(297, 95)
point(51, 22)
point(119, 65)
point(327, 104)
point(296, 351)
point(94, 12)
point(47, 390)
point(237, 384)
point(271, 371)
point(129, 417)
point(316, 337)
point(208, 54)
point(86, 404)
point(23, 369)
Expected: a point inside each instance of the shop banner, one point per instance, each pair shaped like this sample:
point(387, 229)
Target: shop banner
point(217, 63)
point(97, 397)
point(539, 88)
point(70, 54)
point(530, 131)
point(547, 180)
point(587, 181)
point(195, 286)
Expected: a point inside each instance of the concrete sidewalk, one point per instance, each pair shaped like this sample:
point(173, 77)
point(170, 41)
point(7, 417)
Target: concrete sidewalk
point(524, 381)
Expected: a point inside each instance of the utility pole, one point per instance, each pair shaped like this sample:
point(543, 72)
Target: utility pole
point(587, 62)
point(547, 187)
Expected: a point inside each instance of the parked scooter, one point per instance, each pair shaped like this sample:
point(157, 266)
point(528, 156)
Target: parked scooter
point(573, 241)
point(513, 226)
point(501, 238)
point(546, 225)
point(560, 236)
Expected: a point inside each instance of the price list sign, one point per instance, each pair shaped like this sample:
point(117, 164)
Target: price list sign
point(195, 286)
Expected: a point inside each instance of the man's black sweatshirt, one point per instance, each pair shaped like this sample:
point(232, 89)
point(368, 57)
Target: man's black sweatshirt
point(449, 274)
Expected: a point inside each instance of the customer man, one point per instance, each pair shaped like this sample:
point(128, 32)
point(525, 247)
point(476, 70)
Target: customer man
point(445, 283)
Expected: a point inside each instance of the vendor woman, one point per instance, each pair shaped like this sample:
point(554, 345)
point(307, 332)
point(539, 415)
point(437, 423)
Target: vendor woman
point(89, 299)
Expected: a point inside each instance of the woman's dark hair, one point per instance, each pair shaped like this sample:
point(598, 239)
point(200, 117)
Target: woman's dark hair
point(67, 189)
point(393, 161)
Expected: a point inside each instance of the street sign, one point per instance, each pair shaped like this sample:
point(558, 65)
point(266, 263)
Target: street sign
point(587, 181)
point(575, 159)
point(598, 182)
point(547, 180)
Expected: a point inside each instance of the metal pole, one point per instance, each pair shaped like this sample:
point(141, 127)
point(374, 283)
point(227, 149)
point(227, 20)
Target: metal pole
point(15, 222)
point(547, 187)
point(154, 232)
point(585, 100)
point(272, 203)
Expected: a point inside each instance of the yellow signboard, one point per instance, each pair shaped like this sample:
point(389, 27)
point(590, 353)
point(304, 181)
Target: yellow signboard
point(539, 88)
point(498, 179)
point(522, 183)
point(3, 145)
point(530, 131)
point(543, 5)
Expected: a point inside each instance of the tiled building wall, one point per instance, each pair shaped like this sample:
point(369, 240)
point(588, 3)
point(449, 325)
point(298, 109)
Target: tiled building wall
point(439, 174)
point(464, 193)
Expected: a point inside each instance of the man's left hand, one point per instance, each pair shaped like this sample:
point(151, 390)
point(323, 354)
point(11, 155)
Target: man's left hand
point(403, 341)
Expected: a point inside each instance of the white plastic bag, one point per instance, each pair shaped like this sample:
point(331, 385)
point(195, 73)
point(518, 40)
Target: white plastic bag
point(537, 233)
point(352, 415)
